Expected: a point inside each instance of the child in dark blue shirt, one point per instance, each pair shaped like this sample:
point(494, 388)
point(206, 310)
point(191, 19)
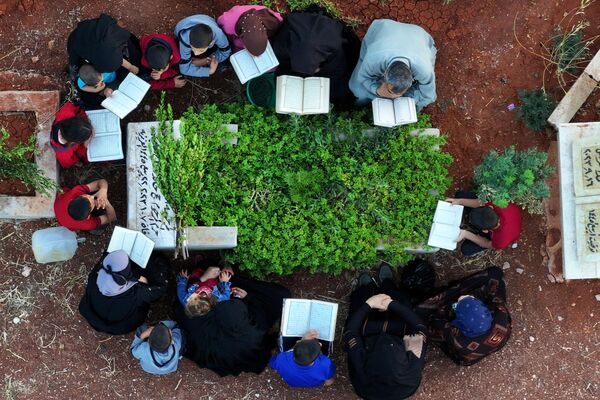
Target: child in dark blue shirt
point(304, 365)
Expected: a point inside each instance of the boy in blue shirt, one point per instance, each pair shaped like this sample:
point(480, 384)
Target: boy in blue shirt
point(158, 347)
point(304, 365)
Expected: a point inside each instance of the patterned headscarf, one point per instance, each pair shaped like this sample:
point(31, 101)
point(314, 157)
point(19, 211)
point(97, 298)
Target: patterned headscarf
point(472, 317)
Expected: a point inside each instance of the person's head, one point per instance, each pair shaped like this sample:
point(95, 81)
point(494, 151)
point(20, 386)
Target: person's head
point(160, 338)
point(158, 56)
point(198, 304)
point(115, 275)
point(76, 129)
point(473, 318)
point(201, 37)
point(306, 351)
point(253, 33)
point(89, 75)
point(483, 218)
point(80, 207)
point(398, 78)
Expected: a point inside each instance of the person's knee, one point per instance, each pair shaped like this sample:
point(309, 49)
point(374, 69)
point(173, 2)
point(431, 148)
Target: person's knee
point(469, 248)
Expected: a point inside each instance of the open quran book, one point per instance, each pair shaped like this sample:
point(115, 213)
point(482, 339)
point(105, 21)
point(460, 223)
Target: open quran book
point(106, 143)
point(247, 66)
point(390, 113)
point(136, 245)
point(301, 315)
point(446, 225)
point(296, 95)
point(130, 94)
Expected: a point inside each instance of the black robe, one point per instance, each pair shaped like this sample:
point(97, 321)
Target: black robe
point(235, 336)
point(307, 42)
point(123, 313)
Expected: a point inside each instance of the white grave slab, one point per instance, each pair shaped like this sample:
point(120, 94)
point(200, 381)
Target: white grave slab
point(148, 210)
point(585, 263)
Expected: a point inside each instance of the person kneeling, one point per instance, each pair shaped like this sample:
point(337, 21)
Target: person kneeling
point(158, 348)
point(304, 365)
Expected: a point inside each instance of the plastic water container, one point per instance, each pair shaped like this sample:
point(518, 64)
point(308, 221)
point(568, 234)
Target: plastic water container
point(54, 244)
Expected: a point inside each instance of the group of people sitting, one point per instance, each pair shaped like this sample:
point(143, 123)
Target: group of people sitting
point(229, 323)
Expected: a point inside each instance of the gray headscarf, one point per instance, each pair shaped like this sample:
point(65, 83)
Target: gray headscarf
point(111, 284)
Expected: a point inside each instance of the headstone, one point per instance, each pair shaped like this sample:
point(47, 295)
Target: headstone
point(148, 210)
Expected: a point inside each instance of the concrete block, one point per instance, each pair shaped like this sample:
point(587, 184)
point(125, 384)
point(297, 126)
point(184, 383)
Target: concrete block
point(573, 100)
point(44, 104)
point(593, 68)
point(211, 237)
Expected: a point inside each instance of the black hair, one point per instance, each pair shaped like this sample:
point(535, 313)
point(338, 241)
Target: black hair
point(89, 75)
point(306, 351)
point(76, 129)
point(158, 56)
point(399, 76)
point(160, 338)
point(200, 36)
point(483, 218)
point(79, 208)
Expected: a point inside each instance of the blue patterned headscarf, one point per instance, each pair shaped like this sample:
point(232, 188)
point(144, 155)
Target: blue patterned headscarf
point(472, 317)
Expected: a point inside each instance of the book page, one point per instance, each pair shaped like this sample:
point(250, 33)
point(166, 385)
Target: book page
point(122, 239)
point(104, 122)
point(323, 318)
point(244, 65)
point(313, 95)
point(135, 88)
point(142, 250)
point(443, 236)
point(290, 94)
point(405, 111)
point(383, 112)
point(447, 213)
point(119, 103)
point(296, 315)
point(266, 60)
point(106, 143)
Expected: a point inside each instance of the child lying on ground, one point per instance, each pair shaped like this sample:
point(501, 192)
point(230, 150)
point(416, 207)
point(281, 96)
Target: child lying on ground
point(199, 291)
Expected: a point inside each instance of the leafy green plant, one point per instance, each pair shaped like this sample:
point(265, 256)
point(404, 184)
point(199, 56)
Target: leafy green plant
point(570, 48)
point(15, 164)
point(314, 192)
point(179, 168)
point(299, 5)
point(536, 107)
point(514, 176)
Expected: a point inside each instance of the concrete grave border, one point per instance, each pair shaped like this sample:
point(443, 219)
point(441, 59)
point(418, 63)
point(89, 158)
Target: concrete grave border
point(44, 104)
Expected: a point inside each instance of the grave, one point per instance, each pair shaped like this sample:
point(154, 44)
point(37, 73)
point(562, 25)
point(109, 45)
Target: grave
point(44, 104)
point(579, 162)
point(148, 210)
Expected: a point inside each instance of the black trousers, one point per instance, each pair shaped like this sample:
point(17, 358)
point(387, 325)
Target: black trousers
point(468, 247)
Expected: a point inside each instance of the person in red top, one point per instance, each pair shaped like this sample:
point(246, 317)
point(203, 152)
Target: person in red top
point(79, 208)
point(498, 227)
point(160, 60)
point(70, 134)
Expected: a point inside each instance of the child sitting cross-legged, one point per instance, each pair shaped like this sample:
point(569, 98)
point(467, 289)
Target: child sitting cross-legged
point(199, 291)
point(304, 365)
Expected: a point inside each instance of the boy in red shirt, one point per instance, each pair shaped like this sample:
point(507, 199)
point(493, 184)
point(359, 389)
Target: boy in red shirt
point(79, 208)
point(160, 55)
point(499, 226)
point(70, 134)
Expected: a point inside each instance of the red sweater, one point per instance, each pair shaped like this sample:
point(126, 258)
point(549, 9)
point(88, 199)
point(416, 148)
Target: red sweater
point(510, 226)
point(166, 79)
point(68, 155)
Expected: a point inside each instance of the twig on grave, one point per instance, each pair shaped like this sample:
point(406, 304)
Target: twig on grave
point(15, 354)
point(178, 382)
point(12, 52)
point(7, 236)
point(105, 340)
point(551, 317)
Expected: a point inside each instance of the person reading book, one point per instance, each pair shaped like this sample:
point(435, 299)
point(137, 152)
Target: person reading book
point(160, 62)
point(93, 87)
point(201, 290)
point(85, 207)
point(393, 68)
point(304, 365)
point(495, 227)
point(158, 347)
point(70, 135)
point(202, 45)
point(250, 27)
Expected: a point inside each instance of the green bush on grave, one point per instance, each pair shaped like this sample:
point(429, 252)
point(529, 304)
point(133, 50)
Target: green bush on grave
point(314, 192)
point(536, 107)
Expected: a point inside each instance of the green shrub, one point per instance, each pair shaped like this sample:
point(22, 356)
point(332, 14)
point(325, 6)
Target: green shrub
point(15, 164)
point(570, 49)
point(514, 176)
point(298, 5)
point(314, 192)
point(536, 107)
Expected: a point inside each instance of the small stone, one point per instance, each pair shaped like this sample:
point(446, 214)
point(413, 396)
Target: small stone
point(573, 304)
point(506, 265)
point(520, 270)
point(514, 246)
point(551, 278)
point(559, 318)
point(147, 107)
point(597, 297)
point(16, 320)
point(51, 44)
point(35, 59)
point(26, 271)
point(531, 339)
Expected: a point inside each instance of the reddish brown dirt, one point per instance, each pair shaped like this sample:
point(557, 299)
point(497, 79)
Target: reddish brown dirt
point(20, 127)
point(553, 353)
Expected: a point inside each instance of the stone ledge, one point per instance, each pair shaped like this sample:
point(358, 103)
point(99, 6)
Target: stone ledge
point(44, 104)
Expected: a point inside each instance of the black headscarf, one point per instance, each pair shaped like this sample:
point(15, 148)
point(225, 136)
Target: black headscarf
point(100, 41)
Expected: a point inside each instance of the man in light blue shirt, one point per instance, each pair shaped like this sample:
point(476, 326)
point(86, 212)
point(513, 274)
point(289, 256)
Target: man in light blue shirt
point(396, 59)
point(158, 347)
point(202, 45)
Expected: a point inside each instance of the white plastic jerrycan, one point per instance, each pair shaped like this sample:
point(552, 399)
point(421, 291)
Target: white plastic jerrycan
point(54, 244)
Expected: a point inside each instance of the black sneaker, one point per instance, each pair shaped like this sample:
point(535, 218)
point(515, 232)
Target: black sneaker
point(364, 279)
point(384, 272)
